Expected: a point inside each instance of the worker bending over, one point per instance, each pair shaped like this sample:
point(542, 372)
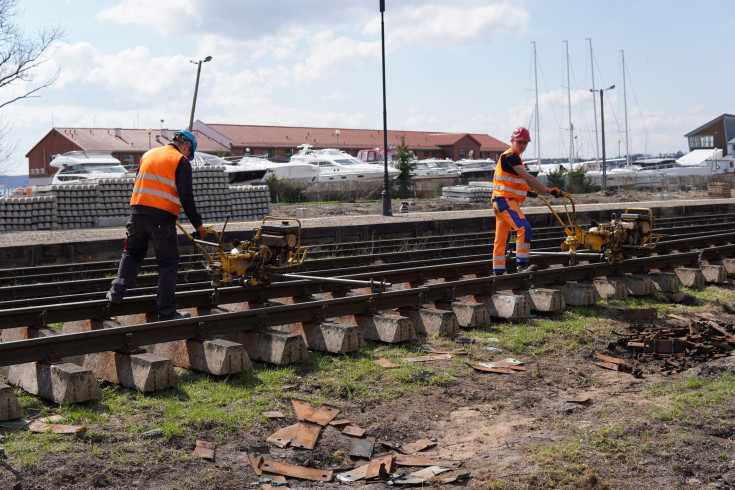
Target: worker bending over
point(511, 185)
point(163, 185)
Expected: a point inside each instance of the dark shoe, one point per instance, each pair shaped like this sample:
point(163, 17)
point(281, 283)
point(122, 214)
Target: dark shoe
point(113, 298)
point(176, 316)
point(527, 267)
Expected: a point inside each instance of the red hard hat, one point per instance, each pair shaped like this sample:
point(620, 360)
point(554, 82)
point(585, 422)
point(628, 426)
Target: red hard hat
point(520, 134)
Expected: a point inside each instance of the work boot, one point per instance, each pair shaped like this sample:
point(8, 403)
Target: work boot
point(525, 267)
point(175, 316)
point(113, 297)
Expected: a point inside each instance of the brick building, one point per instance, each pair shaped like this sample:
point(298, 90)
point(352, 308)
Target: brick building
point(276, 142)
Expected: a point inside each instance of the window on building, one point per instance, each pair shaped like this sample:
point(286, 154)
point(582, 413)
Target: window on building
point(288, 153)
point(266, 152)
point(462, 153)
point(128, 160)
point(704, 141)
point(471, 155)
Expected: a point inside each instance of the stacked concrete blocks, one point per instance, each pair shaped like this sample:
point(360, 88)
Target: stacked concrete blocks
point(28, 213)
point(77, 204)
point(250, 202)
point(113, 196)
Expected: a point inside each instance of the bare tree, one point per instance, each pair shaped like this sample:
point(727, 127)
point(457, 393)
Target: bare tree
point(20, 57)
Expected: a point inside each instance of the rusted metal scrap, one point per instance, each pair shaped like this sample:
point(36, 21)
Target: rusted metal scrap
point(680, 347)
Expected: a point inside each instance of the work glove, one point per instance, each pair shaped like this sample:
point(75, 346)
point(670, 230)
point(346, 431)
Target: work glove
point(555, 191)
point(202, 232)
point(532, 193)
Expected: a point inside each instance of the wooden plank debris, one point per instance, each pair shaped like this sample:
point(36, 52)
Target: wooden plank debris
point(205, 450)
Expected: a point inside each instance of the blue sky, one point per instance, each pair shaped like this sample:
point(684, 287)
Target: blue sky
point(452, 66)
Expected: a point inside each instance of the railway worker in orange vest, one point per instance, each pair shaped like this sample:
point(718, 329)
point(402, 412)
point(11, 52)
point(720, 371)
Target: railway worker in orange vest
point(511, 185)
point(162, 187)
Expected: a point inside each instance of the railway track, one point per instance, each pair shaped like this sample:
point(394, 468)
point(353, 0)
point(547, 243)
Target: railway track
point(452, 281)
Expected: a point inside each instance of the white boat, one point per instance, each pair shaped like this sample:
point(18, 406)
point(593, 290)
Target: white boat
point(249, 169)
point(473, 169)
point(79, 165)
point(333, 165)
point(434, 169)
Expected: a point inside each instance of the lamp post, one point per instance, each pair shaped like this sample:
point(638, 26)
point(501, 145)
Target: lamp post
point(196, 87)
point(602, 129)
point(619, 140)
point(337, 133)
point(149, 138)
point(386, 182)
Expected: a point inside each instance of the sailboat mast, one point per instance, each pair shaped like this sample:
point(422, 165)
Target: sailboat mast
point(571, 128)
point(625, 106)
point(535, 78)
point(594, 105)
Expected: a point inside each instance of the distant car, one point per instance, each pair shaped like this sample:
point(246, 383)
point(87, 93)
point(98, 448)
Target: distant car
point(77, 166)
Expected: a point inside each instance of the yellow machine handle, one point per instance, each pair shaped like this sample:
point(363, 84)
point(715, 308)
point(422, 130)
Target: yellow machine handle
point(571, 227)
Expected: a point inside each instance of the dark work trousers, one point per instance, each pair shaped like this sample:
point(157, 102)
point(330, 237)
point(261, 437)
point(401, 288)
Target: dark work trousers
point(141, 230)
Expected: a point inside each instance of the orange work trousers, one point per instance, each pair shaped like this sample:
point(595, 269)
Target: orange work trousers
point(508, 216)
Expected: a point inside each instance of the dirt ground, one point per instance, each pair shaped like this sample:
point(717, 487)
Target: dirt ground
point(515, 430)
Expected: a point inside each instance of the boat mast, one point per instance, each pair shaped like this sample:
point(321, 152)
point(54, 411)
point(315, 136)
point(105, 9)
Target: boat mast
point(571, 128)
point(535, 77)
point(594, 105)
point(625, 105)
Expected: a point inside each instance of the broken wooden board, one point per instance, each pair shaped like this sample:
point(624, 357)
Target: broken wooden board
point(306, 435)
point(294, 471)
point(435, 357)
point(41, 427)
point(302, 409)
point(205, 450)
point(323, 415)
point(581, 400)
point(273, 414)
point(605, 358)
point(282, 437)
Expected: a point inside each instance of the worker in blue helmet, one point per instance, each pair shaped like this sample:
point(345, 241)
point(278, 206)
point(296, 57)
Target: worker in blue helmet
point(162, 187)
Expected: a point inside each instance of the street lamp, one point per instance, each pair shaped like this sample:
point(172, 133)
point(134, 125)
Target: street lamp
point(602, 127)
point(149, 138)
point(386, 182)
point(196, 87)
point(619, 140)
point(337, 133)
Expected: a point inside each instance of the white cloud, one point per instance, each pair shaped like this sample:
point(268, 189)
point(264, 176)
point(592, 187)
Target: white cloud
point(337, 94)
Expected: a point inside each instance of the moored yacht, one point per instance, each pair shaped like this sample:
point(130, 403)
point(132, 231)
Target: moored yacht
point(79, 165)
point(333, 165)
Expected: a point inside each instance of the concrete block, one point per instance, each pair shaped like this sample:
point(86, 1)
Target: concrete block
point(216, 356)
point(508, 306)
point(332, 337)
point(273, 346)
point(9, 406)
point(638, 285)
point(386, 328)
point(666, 282)
point(469, 314)
point(545, 300)
point(691, 278)
point(61, 383)
point(729, 266)
point(431, 321)
point(23, 333)
point(145, 372)
point(610, 288)
point(579, 294)
point(714, 273)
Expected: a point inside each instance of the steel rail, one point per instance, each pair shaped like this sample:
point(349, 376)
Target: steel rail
point(127, 338)
point(99, 309)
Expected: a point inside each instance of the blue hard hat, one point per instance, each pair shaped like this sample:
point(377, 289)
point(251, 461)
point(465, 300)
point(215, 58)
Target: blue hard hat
point(189, 137)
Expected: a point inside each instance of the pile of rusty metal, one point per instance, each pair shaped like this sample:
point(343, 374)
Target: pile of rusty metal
point(396, 466)
point(679, 347)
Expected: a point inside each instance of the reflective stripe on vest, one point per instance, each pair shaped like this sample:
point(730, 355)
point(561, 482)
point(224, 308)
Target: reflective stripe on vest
point(508, 185)
point(155, 184)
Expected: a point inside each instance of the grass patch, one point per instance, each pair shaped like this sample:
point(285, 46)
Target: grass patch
point(696, 401)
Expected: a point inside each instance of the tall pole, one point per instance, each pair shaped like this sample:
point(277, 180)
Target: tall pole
point(625, 105)
point(386, 182)
point(196, 88)
point(594, 106)
point(602, 125)
point(538, 137)
point(571, 128)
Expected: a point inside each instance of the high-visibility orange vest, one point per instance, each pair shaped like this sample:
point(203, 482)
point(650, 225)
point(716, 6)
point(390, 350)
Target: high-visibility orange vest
point(155, 184)
point(506, 184)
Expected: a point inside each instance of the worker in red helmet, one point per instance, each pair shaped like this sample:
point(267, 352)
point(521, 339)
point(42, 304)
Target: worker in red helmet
point(511, 184)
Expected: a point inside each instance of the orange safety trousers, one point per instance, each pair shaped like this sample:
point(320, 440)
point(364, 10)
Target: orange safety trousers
point(508, 216)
